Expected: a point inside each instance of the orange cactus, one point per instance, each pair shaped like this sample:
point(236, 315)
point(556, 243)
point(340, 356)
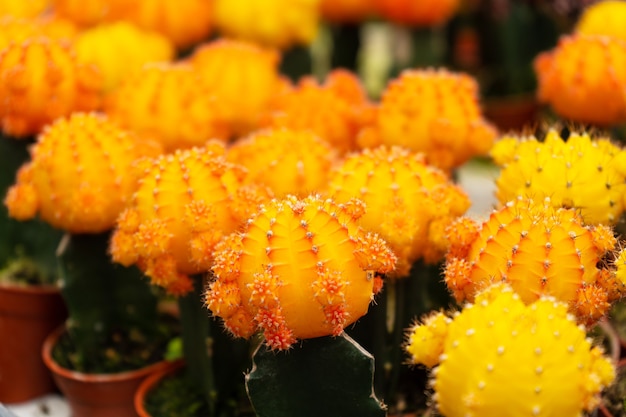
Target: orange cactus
point(185, 203)
point(409, 203)
point(169, 103)
point(583, 79)
point(121, 48)
point(539, 250)
point(302, 268)
point(80, 176)
point(275, 23)
point(87, 13)
point(242, 76)
point(287, 161)
point(18, 30)
point(23, 9)
point(41, 80)
point(336, 110)
point(606, 18)
point(346, 10)
point(422, 12)
point(435, 112)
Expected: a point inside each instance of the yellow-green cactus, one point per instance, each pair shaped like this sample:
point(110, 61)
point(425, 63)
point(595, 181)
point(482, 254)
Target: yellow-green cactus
point(585, 173)
point(303, 268)
point(408, 202)
point(539, 250)
point(500, 357)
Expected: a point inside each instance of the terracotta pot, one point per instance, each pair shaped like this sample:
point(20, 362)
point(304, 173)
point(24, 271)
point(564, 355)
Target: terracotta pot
point(149, 383)
point(512, 113)
point(97, 395)
point(27, 315)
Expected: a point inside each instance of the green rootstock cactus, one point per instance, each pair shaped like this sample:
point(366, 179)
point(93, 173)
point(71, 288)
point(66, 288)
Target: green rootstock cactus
point(325, 376)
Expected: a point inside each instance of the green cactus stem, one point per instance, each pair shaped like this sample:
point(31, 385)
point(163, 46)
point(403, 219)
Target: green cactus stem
point(325, 376)
point(346, 40)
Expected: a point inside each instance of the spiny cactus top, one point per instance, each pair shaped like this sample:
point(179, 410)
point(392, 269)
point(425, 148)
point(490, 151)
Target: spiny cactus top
point(168, 102)
point(585, 173)
point(539, 250)
point(18, 30)
point(41, 80)
point(275, 23)
point(81, 174)
point(607, 17)
point(23, 9)
point(408, 202)
point(501, 357)
point(421, 13)
point(335, 110)
point(302, 268)
point(185, 203)
point(583, 78)
point(435, 112)
point(287, 161)
point(346, 10)
point(242, 75)
point(121, 48)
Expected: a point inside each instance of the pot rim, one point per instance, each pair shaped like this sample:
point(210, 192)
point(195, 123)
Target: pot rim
point(29, 289)
point(150, 382)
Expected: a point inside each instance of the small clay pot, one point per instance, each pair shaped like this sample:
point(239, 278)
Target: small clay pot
point(149, 383)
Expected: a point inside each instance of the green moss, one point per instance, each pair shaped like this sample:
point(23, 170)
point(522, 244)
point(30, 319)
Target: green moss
point(24, 271)
point(176, 397)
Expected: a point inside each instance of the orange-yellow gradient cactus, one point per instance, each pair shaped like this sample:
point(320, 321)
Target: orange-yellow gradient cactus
point(539, 250)
point(501, 357)
point(346, 10)
point(80, 176)
point(23, 9)
point(607, 18)
point(301, 269)
point(287, 161)
point(87, 13)
point(585, 173)
point(435, 112)
point(121, 48)
point(18, 30)
point(185, 203)
point(243, 76)
point(336, 110)
point(421, 12)
point(409, 203)
point(583, 79)
point(41, 80)
point(167, 102)
point(275, 23)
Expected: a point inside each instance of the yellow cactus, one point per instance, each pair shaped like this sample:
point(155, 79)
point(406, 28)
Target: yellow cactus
point(80, 176)
point(301, 269)
point(169, 103)
point(409, 203)
point(275, 23)
point(336, 110)
point(421, 13)
point(121, 48)
point(18, 30)
point(435, 112)
point(40, 81)
point(502, 357)
point(287, 161)
point(606, 18)
point(185, 203)
point(585, 173)
point(243, 76)
point(539, 250)
point(591, 92)
point(425, 341)
point(23, 9)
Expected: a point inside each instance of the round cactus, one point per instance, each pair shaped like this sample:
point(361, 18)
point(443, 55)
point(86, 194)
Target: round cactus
point(168, 103)
point(302, 268)
point(502, 357)
point(336, 111)
point(606, 18)
point(408, 202)
point(23, 9)
point(449, 130)
point(40, 81)
point(417, 13)
point(243, 77)
point(18, 30)
point(585, 93)
point(539, 250)
point(87, 13)
point(276, 23)
point(81, 174)
point(585, 173)
point(287, 161)
point(185, 203)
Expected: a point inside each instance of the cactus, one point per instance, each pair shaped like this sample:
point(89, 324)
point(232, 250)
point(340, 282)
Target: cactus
point(16, 30)
point(449, 130)
point(408, 203)
point(539, 250)
point(326, 376)
point(287, 161)
point(302, 269)
point(500, 356)
point(584, 173)
point(23, 9)
point(605, 18)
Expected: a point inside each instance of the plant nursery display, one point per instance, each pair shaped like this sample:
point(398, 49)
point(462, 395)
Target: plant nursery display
point(240, 208)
